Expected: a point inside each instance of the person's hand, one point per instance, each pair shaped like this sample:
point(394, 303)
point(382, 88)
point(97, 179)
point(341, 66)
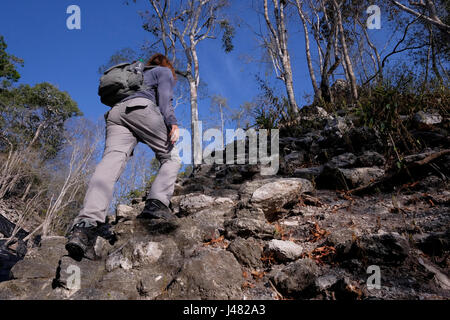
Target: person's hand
point(174, 133)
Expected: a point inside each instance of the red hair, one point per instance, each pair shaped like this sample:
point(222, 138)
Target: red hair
point(158, 59)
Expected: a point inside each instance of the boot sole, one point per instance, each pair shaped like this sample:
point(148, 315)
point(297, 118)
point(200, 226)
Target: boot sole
point(156, 216)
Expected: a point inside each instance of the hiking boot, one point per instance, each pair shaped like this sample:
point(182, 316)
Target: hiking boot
point(80, 240)
point(155, 209)
point(103, 230)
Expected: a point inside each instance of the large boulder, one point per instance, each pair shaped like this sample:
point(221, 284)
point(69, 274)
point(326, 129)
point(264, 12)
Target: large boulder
point(345, 160)
point(361, 176)
point(249, 223)
point(338, 126)
point(297, 279)
point(370, 159)
point(210, 274)
point(246, 189)
point(313, 117)
point(383, 248)
point(310, 173)
point(426, 120)
point(247, 227)
point(194, 202)
point(124, 212)
point(42, 261)
point(342, 178)
point(271, 197)
point(212, 219)
point(27, 289)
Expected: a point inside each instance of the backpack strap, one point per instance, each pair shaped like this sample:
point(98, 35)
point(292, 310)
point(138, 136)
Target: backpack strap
point(120, 65)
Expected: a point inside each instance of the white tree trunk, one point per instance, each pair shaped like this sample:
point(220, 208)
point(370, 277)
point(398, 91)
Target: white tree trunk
point(280, 54)
point(345, 53)
point(196, 142)
point(312, 75)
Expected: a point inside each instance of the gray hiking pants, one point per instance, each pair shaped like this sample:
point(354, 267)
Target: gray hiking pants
point(127, 123)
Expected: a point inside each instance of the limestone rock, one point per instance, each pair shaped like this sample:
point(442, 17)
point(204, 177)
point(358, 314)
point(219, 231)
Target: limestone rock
point(246, 189)
point(383, 248)
point(338, 126)
point(297, 278)
point(342, 178)
point(342, 240)
point(247, 227)
point(27, 289)
point(212, 274)
point(426, 120)
point(124, 212)
point(73, 275)
point(283, 251)
point(344, 160)
point(370, 159)
point(271, 197)
point(192, 203)
point(310, 173)
point(41, 262)
point(247, 251)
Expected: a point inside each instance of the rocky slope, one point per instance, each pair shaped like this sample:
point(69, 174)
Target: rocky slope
point(241, 235)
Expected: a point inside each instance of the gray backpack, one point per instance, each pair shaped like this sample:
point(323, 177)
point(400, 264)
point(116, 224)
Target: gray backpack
point(121, 81)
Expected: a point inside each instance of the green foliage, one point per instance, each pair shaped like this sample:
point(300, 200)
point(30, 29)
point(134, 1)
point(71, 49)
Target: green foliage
point(187, 171)
point(228, 35)
point(243, 115)
point(137, 193)
point(387, 105)
point(35, 113)
point(8, 72)
point(271, 110)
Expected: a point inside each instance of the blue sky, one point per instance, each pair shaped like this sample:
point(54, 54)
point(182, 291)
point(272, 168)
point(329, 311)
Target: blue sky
point(36, 32)
point(69, 59)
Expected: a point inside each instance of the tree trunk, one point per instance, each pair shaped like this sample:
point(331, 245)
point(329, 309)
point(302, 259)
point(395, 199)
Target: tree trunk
point(432, 18)
point(222, 124)
point(196, 146)
point(281, 54)
point(345, 53)
point(290, 89)
point(433, 58)
point(317, 93)
point(287, 62)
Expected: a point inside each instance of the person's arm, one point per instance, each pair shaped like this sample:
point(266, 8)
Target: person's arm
point(165, 96)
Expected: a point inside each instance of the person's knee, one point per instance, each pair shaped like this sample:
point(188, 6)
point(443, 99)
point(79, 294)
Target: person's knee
point(111, 165)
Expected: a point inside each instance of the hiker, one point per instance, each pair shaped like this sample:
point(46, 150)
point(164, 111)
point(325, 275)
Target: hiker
point(147, 116)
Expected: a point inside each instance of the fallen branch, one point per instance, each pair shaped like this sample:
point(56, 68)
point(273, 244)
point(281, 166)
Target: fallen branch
point(280, 296)
point(430, 158)
point(389, 177)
